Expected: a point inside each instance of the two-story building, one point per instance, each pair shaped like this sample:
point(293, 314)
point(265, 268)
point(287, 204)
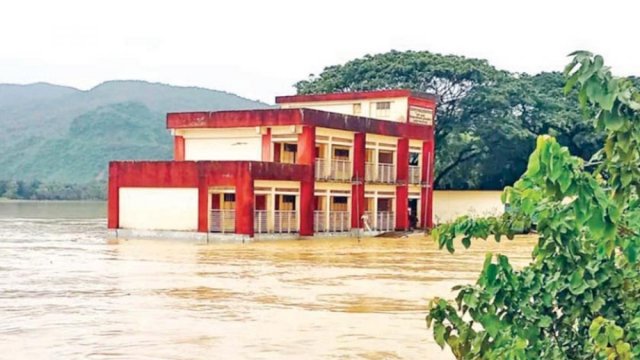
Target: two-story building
point(319, 165)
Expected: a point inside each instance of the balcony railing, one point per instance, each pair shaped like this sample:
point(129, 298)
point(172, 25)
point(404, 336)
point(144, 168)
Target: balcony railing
point(385, 221)
point(260, 221)
point(339, 221)
point(381, 221)
point(222, 221)
point(285, 221)
point(319, 221)
point(414, 175)
point(380, 173)
point(336, 170)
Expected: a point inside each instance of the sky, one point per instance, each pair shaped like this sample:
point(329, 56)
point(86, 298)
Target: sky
point(259, 49)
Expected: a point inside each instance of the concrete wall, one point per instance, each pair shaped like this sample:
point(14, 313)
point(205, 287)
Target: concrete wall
point(448, 205)
point(397, 113)
point(159, 208)
point(222, 144)
point(241, 148)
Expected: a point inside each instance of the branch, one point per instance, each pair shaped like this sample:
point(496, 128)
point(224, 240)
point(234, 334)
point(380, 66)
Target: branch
point(464, 155)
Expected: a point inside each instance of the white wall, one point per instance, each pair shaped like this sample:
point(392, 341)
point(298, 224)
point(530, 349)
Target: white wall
point(449, 205)
point(239, 148)
point(159, 208)
point(398, 111)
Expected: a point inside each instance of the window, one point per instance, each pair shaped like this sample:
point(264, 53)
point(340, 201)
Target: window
point(383, 109)
point(357, 109)
point(341, 154)
point(414, 159)
point(230, 197)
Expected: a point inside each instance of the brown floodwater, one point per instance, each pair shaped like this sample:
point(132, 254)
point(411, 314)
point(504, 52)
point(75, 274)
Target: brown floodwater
point(65, 293)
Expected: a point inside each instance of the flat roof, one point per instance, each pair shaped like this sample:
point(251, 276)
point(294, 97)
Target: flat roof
point(356, 95)
point(310, 117)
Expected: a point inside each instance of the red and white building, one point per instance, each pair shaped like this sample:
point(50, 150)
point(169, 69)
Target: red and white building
point(318, 165)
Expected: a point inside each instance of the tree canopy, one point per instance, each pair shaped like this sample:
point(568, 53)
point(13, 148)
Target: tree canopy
point(487, 119)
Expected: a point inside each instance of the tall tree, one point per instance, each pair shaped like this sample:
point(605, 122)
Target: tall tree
point(487, 119)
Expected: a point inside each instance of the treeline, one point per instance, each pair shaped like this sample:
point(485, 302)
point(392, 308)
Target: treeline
point(487, 118)
point(37, 190)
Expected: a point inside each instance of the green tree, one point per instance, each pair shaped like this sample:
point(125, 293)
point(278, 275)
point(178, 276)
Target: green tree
point(579, 298)
point(487, 119)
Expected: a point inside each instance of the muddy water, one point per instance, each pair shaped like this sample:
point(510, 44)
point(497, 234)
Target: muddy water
point(66, 293)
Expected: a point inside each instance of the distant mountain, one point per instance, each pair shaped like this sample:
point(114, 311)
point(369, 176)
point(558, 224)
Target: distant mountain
point(57, 133)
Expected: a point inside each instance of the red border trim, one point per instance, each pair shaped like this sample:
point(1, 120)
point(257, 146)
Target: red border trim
point(284, 117)
point(376, 94)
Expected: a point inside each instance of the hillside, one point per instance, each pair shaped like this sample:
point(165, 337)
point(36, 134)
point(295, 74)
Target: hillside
point(60, 134)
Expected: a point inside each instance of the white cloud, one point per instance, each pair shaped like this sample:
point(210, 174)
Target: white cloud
point(259, 49)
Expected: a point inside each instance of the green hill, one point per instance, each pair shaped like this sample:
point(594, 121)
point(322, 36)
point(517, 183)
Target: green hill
point(60, 134)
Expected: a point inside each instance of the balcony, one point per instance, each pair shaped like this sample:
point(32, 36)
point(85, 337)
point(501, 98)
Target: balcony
point(260, 221)
point(333, 170)
point(414, 175)
point(222, 221)
point(381, 221)
point(380, 173)
point(285, 221)
point(332, 221)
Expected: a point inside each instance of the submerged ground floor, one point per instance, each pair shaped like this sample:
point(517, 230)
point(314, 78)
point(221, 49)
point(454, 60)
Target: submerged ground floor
point(240, 200)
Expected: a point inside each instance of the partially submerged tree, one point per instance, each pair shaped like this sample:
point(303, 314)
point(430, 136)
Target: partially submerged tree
point(579, 298)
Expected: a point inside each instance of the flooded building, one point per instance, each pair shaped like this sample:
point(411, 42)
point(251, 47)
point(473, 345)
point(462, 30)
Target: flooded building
point(318, 164)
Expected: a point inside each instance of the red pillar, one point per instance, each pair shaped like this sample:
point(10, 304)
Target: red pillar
point(203, 203)
point(426, 196)
point(306, 156)
point(357, 181)
point(402, 187)
point(266, 146)
point(244, 201)
point(113, 200)
point(178, 148)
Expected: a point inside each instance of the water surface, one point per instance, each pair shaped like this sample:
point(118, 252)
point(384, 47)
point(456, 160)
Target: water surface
point(65, 292)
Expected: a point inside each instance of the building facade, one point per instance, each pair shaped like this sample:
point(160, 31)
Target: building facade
point(319, 164)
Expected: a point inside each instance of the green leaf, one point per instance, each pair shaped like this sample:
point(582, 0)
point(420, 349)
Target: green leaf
point(612, 121)
point(438, 334)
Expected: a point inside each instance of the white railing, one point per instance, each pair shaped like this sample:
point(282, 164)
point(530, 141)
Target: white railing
point(319, 221)
point(285, 221)
point(339, 170)
point(369, 172)
point(381, 173)
point(414, 174)
point(339, 221)
point(381, 221)
point(260, 221)
point(385, 221)
point(222, 221)
point(321, 169)
point(386, 173)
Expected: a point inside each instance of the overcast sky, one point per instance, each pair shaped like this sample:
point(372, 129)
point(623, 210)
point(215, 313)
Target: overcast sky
point(258, 49)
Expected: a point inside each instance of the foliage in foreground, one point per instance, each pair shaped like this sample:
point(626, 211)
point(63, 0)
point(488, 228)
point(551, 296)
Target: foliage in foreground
point(579, 298)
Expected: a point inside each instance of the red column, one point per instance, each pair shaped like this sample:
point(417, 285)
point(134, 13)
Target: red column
point(306, 156)
point(178, 148)
point(266, 146)
point(203, 203)
point(402, 188)
point(426, 196)
point(357, 183)
point(244, 201)
point(113, 200)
